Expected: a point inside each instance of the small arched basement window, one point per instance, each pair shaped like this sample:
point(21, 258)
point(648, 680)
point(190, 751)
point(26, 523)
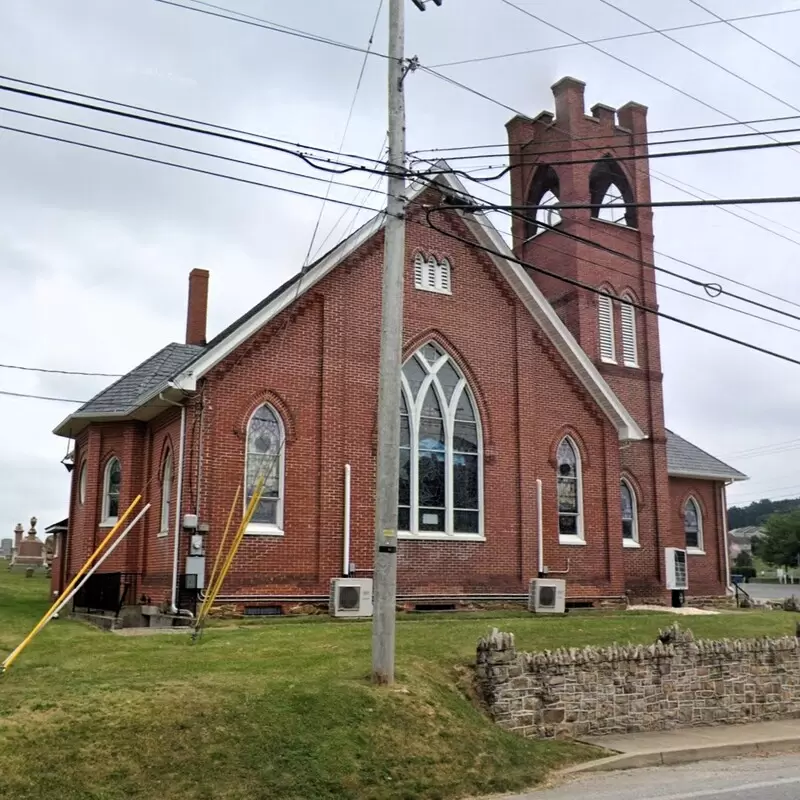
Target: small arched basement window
point(544, 193)
point(608, 184)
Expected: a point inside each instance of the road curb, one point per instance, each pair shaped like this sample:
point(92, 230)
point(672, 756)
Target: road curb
point(685, 755)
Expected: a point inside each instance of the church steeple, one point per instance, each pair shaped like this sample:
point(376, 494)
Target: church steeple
point(577, 159)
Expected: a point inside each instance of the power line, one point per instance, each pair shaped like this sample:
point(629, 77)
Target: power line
point(596, 290)
point(62, 371)
point(170, 146)
point(41, 397)
point(307, 158)
point(729, 22)
point(258, 22)
point(346, 129)
point(629, 64)
point(595, 148)
point(617, 37)
point(193, 121)
point(186, 167)
point(765, 449)
point(701, 55)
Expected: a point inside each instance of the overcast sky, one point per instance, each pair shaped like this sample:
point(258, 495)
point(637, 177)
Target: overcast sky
point(95, 248)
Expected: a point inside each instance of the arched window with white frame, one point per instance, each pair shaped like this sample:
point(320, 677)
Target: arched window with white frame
point(265, 458)
point(569, 481)
point(112, 480)
point(629, 513)
point(693, 525)
point(440, 492)
point(627, 314)
point(166, 493)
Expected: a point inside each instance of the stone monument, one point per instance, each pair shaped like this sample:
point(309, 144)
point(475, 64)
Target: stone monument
point(30, 550)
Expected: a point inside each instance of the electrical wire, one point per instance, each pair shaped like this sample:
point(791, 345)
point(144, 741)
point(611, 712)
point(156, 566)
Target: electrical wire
point(628, 64)
point(170, 146)
point(258, 22)
point(41, 397)
point(617, 37)
point(346, 128)
point(62, 371)
point(193, 121)
point(595, 290)
point(185, 167)
point(307, 158)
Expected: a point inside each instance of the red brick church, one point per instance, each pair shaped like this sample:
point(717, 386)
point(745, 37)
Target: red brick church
point(510, 377)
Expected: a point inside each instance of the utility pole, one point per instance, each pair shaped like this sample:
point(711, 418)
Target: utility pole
point(385, 572)
point(391, 361)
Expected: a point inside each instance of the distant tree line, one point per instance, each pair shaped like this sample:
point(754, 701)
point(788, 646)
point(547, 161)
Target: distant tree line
point(757, 513)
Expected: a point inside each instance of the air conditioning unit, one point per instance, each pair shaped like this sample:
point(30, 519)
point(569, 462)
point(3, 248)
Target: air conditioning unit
point(546, 596)
point(351, 597)
point(677, 572)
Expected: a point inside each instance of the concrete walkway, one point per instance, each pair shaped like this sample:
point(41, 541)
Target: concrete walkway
point(634, 750)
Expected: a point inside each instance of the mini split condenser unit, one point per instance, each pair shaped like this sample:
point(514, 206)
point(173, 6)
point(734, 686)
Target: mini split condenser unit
point(546, 596)
point(351, 597)
point(677, 573)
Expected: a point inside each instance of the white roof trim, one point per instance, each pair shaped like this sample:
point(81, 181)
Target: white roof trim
point(706, 476)
point(528, 292)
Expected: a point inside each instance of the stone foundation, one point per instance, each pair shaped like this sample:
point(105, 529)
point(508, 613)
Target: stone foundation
point(676, 682)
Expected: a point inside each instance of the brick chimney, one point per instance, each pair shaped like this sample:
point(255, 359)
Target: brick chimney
point(197, 310)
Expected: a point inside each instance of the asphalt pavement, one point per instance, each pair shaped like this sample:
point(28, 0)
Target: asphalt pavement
point(771, 591)
point(759, 778)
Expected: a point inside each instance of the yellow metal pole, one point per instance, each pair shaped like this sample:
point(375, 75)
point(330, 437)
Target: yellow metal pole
point(12, 657)
point(242, 529)
point(220, 551)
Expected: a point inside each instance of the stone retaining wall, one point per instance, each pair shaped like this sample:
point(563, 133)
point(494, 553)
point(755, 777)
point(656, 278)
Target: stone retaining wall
point(676, 682)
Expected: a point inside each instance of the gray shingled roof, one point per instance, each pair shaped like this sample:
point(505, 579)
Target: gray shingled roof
point(122, 395)
point(684, 458)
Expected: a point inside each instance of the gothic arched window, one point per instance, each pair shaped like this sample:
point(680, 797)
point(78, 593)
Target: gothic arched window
point(693, 525)
point(608, 185)
point(543, 193)
point(630, 517)
point(569, 480)
point(441, 470)
point(264, 457)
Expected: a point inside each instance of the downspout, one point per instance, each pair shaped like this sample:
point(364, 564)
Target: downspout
point(346, 554)
point(724, 511)
point(178, 502)
point(539, 531)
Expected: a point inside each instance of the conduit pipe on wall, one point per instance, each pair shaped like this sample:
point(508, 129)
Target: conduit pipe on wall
point(725, 544)
point(539, 531)
point(346, 554)
point(178, 506)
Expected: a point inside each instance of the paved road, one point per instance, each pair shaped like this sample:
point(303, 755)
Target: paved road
point(771, 591)
point(762, 778)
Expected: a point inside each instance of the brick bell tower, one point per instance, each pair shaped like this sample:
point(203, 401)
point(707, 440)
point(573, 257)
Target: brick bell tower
point(572, 157)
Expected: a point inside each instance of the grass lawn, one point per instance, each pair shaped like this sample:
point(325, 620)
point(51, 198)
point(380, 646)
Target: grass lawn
point(281, 709)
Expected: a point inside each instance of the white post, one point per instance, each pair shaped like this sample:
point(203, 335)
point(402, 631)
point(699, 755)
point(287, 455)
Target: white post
point(385, 569)
point(178, 506)
point(99, 562)
point(346, 555)
point(539, 530)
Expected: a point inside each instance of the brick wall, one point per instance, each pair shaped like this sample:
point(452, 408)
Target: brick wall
point(626, 688)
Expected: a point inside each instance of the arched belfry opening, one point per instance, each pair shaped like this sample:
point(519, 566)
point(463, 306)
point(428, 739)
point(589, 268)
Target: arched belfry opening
point(543, 197)
point(609, 185)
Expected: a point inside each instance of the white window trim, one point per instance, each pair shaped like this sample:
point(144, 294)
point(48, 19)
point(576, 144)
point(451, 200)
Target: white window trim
point(624, 309)
point(166, 495)
point(107, 521)
point(448, 417)
point(700, 549)
point(609, 198)
point(605, 303)
point(429, 274)
point(546, 209)
point(634, 542)
point(82, 478)
point(263, 528)
point(569, 539)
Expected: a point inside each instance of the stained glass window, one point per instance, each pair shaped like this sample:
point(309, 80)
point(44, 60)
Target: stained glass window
point(568, 480)
point(265, 459)
point(693, 525)
point(440, 464)
point(111, 487)
point(630, 531)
